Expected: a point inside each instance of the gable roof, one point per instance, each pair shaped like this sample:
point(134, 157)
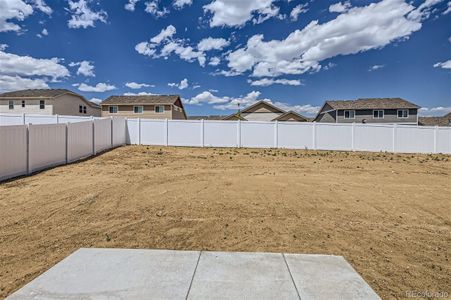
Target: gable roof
point(43, 94)
point(371, 103)
point(210, 117)
point(435, 121)
point(142, 99)
point(293, 115)
point(266, 103)
point(234, 116)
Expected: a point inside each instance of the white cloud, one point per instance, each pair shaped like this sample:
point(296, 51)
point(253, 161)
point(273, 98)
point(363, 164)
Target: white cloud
point(83, 16)
point(270, 81)
point(424, 10)
point(448, 9)
point(214, 61)
point(182, 85)
point(85, 68)
point(95, 100)
point(434, 111)
point(43, 33)
point(136, 86)
point(131, 5)
point(42, 6)
point(237, 13)
point(13, 9)
point(297, 10)
point(206, 97)
point(340, 7)
point(11, 83)
point(152, 7)
point(139, 94)
point(98, 88)
point(349, 33)
point(164, 34)
point(443, 65)
point(179, 4)
point(212, 44)
point(375, 68)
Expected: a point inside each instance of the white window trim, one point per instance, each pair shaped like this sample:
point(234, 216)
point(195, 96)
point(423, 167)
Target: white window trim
point(397, 113)
point(110, 106)
point(383, 113)
point(9, 104)
point(344, 114)
point(142, 109)
point(161, 112)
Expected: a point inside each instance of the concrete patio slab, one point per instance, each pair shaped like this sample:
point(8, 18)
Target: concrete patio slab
point(167, 274)
point(327, 277)
point(232, 275)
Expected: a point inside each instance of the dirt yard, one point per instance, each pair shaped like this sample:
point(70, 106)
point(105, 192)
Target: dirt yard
point(389, 215)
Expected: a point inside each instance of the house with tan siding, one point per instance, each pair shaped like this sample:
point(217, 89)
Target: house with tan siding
point(47, 102)
point(265, 111)
point(146, 106)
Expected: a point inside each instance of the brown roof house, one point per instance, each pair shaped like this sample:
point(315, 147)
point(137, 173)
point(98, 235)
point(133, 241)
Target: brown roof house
point(435, 121)
point(148, 106)
point(47, 102)
point(370, 110)
point(265, 111)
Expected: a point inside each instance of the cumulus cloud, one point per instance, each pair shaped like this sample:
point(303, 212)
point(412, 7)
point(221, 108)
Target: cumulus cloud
point(85, 68)
point(95, 100)
point(181, 86)
point(297, 10)
point(136, 86)
point(424, 10)
point(448, 9)
point(11, 83)
point(131, 5)
point(434, 111)
point(340, 7)
point(375, 68)
point(139, 94)
point(152, 7)
point(42, 6)
point(237, 13)
point(164, 34)
point(83, 16)
point(179, 4)
point(210, 43)
point(98, 88)
point(270, 81)
point(43, 33)
point(443, 65)
point(214, 61)
point(349, 33)
point(13, 10)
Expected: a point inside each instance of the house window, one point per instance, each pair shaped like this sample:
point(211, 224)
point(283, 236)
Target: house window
point(137, 109)
point(112, 109)
point(23, 103)
point(159, 109)
point(84, 109)
point(349, 114)
point(11, 104)
point(41, 104)
point(80, 108)
point(403, 113)
point(378, 114)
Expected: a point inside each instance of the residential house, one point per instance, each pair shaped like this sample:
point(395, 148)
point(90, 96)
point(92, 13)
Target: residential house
point(370, 110)
point(265, 111)
point(147, 106)
point(435, 121)
point(47, 102)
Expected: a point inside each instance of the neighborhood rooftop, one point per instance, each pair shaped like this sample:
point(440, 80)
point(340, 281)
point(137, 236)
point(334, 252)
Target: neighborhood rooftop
point(142, 99)
point(36, 93)
point(372, 103)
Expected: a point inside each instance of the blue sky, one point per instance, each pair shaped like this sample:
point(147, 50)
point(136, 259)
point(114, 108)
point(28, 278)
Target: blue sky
point(218, 53)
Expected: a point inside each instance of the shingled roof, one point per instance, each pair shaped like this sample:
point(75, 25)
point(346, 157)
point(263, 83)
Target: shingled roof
point(372, 103)
point(36, 93)
point(435, 121)
point(142, 99)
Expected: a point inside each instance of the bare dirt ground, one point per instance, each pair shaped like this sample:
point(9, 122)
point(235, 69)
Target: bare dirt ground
point(389, 215)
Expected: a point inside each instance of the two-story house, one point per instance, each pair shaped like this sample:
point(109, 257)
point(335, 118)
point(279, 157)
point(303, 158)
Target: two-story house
point(47, 102)
point(370, 110)
point(148, 106)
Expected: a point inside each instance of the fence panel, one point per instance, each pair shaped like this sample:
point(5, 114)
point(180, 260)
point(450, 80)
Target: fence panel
point(333, 136)
point(153, 132)
point(40, 119)
point(47, 146)
point(256, 134)
point(294, 135)
point(119, 136)
point(443, 140)
point(220, 133)
point(11, 119)
point(132, 133)
point(102, 134)
point(373, 137)
point(13, 151)
point(79, 140)
point(184, 133)
point(413, 139)
point(72, 119)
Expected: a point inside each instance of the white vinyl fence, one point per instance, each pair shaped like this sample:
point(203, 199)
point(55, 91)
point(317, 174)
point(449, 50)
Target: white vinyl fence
point(25, 149)
point(290, 135)
point(23, 119)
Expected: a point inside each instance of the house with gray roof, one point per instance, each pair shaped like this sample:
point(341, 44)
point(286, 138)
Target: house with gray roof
point(47, 102)
point(369, 110)
point(435, 121)
point(144, 106)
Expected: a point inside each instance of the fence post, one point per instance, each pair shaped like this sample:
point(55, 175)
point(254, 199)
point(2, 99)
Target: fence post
point(111, 135)
point(395, 126)
point(276, 134)
point(314, 135)
point(67, 141)
point(93, 136)
point(23, 118)
point(352, 136)
point(202, 134)
point(238, 133)
point(435, 138)
point(57, 119)
point(166, 129)
point(28, 151)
